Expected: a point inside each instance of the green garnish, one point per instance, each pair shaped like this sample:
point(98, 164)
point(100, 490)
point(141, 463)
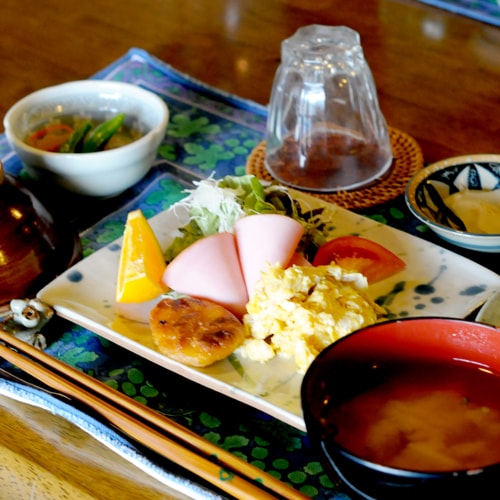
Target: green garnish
point(73, 144)
point(102, 133)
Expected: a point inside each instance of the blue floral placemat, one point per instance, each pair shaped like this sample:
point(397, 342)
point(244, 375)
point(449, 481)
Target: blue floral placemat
point(487, 11)
point(210, 132)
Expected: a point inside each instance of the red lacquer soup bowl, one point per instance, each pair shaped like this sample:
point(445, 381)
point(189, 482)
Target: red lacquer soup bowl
point(409, 409)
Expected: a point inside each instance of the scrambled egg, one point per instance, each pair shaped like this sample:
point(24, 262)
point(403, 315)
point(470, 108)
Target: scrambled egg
point(298, 311)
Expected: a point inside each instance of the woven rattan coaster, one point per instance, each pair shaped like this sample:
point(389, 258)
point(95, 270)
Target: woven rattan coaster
point(408, 159)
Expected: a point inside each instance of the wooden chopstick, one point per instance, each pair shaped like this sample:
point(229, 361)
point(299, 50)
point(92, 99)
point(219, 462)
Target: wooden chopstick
point(161, 434)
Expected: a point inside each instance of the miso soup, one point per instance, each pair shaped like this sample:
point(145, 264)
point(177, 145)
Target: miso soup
point(418, 416)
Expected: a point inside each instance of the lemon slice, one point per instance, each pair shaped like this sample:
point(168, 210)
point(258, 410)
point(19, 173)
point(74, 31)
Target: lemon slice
point(141, 262)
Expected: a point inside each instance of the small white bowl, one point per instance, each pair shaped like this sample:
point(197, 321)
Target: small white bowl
point(439, 180)
point(103, 173)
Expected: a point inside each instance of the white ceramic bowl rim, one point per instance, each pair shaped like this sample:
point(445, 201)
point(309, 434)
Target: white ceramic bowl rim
point(80, 88)
point(424, 173)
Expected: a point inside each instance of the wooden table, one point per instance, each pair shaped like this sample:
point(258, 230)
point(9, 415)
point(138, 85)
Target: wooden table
point(46, 457)
point(437, 73)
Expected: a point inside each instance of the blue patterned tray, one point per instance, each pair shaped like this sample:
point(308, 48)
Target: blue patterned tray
point(487, 11)
point(210, 132)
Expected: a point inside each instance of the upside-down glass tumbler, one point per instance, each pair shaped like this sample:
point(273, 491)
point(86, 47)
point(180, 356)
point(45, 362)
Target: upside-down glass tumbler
point(325, 130)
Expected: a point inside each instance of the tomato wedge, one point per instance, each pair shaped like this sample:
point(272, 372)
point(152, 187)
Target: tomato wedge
point(360, 254)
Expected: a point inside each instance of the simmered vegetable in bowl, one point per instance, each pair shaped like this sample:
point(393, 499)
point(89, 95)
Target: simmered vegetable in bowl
point(93, 137)
point(82, 134)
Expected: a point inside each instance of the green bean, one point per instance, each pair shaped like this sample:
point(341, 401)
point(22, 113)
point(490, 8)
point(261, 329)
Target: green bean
point(102, 133)
point(74, 141)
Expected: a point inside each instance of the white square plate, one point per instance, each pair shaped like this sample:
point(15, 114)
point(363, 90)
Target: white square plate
point(436, 282)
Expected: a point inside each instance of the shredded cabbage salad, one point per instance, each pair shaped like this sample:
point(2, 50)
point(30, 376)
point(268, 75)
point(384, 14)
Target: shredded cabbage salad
point(215, 205)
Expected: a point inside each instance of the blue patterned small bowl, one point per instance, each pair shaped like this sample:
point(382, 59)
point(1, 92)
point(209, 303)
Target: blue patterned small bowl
point(459, 199)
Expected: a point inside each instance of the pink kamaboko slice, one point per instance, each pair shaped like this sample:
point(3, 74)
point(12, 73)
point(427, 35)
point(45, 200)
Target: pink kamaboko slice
point(264, 239)
point(210, 269)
